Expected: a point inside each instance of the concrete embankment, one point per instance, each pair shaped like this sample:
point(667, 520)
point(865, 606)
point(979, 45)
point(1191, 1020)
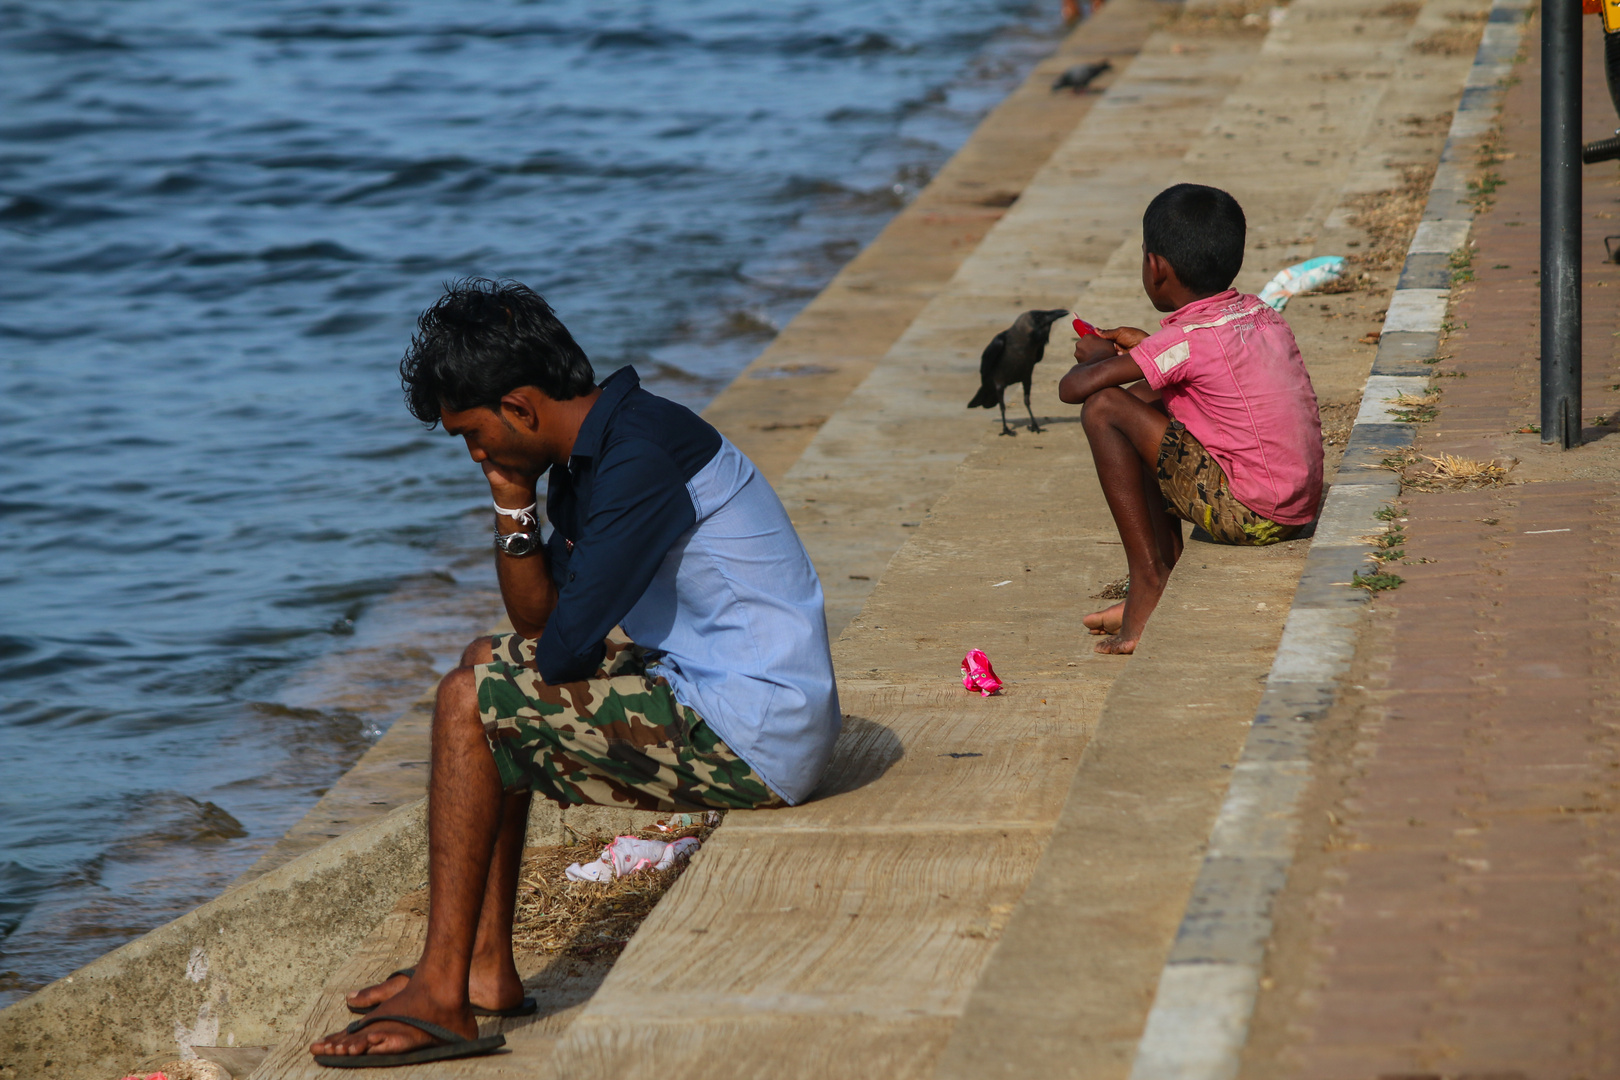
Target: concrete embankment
point(985, 885)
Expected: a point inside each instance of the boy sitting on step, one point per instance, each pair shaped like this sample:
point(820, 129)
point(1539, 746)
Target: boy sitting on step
point(1211, 420)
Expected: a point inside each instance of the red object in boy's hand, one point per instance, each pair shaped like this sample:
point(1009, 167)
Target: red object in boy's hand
point(1083, 328)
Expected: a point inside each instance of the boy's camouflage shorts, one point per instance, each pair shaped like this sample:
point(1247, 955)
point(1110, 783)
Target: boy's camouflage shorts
point(1195, 487)
point(617, 739)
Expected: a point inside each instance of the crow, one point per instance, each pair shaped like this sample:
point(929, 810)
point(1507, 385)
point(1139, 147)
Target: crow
point(1010, 358)
point(1080, 76)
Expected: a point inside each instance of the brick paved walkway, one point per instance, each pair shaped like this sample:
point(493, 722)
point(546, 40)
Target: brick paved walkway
point(1457, 912)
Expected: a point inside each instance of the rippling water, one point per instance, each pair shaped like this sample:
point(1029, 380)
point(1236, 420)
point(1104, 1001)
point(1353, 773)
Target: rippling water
point(217, 223)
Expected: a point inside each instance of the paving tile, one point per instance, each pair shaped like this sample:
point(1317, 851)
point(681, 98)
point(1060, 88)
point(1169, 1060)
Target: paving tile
point(1486, 936)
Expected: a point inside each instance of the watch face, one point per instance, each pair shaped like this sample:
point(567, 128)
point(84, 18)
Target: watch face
point(518, 543)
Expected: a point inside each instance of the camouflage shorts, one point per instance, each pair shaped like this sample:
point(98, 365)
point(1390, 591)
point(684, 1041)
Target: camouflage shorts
point(1195, 487)
point(617, 739)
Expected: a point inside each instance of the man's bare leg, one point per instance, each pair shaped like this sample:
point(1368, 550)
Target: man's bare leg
point(465, 828)
point(1125, 433)
point(493, 982)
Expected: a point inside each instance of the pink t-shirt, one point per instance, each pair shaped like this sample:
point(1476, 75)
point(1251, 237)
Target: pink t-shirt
point(1229, 369)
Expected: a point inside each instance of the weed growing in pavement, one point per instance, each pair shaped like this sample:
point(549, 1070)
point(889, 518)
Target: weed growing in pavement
point(1387, 513)
point(1387, 545)
point(1377, 581)
point(1415, 408)
point(1462, 265)
point(1482, 187)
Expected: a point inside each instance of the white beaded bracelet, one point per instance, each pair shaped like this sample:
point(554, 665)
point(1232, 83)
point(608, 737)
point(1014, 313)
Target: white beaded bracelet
point(524, 517)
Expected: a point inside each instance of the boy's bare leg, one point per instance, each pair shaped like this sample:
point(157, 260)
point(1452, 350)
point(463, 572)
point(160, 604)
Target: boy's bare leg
point(1125, 433)
point(467, 824)
point(1167, 534)
point(493, 981)
point(1167, 528)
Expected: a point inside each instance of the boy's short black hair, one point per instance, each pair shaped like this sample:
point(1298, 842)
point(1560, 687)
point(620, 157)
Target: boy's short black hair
point(1199, 231)
point(484, 339)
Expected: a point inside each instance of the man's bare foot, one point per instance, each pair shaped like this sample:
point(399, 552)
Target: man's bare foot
point(1106, 621)
point(387, 1037)
point(370, 997)
point(493, 987)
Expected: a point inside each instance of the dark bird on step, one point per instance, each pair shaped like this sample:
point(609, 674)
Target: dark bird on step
point(1010, 358)
point(1080, 76)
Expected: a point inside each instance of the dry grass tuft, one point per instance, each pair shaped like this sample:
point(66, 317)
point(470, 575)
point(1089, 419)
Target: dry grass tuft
point(1446, 472)
point(585, 918)
point(1466, 472)
point(1390, 219)
point(1114, 590)
point(1452, 41)
point(1338, 417)
point(1416, 408)
point(1232, 17)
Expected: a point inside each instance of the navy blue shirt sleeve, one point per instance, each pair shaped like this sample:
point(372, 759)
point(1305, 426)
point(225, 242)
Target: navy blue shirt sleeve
point(638, 508)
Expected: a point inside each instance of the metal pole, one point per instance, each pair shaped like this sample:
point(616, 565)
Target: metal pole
point(1561, 222)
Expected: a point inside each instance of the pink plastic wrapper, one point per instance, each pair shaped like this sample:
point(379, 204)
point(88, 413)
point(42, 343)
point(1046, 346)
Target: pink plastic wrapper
point(977, 674)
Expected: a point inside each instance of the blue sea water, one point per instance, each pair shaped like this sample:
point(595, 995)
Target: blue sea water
point(227, 554)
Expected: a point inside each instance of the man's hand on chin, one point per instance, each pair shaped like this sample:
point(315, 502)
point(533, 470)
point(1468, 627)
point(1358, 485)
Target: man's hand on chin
point(510, 488)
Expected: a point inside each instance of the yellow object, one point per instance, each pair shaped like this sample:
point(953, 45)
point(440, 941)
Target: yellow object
point(1609, 9)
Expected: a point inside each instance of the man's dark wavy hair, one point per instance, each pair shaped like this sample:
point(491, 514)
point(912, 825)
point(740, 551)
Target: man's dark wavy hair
point(484, 339)
point(1199, 231)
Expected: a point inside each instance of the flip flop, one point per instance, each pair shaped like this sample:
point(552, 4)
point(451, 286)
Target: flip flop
point(450, 1046)
point(527, 1007)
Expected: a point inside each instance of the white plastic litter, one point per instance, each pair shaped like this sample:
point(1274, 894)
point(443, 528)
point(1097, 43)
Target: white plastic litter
point(711, 818)
point(628, 854)
point(1302, 278)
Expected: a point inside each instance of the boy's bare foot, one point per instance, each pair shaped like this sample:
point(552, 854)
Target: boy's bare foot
point(1115, 645)
point(386, 1037)
point(1106, 621)
point(1146, 589)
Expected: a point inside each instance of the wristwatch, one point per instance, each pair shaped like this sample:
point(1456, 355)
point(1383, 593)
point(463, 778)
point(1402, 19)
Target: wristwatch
point(517, 544)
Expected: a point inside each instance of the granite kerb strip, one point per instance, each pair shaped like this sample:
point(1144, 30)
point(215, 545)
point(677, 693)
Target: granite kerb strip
point(1199, 1022)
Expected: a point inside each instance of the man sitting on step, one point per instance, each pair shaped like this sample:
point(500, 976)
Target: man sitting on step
point(720, 694)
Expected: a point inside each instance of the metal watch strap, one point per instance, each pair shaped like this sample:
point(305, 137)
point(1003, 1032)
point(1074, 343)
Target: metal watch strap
point(517, 544)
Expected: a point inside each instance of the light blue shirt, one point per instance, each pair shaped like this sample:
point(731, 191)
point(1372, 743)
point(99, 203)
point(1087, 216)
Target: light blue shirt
point(734, 620)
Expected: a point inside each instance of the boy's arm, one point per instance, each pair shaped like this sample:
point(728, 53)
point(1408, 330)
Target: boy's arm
point(1096, 367)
